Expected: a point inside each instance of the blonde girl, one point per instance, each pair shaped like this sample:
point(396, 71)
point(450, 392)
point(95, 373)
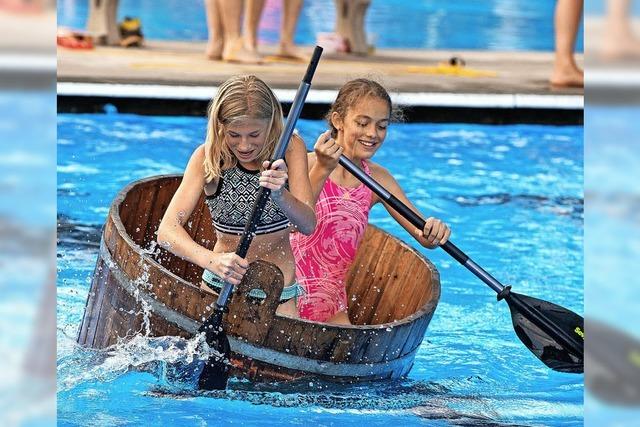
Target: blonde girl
point(245, 122)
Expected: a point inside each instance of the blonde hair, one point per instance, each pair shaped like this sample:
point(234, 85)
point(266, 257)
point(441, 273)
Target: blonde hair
point(239, 98)
point(355, 90)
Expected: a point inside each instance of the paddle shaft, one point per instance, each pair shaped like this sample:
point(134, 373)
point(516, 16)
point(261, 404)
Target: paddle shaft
point(530, 312)
point(263, 193)
point(418, 222)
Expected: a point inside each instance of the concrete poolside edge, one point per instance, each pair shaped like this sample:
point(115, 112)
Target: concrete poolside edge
point(325, 96)
point(433, 107)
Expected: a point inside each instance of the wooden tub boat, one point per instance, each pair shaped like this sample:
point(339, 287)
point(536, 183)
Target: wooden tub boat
point(139, 287)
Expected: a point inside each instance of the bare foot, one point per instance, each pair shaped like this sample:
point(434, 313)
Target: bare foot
point(214, 50)
point(235, 52)
point(289, 51)
point(567, 77)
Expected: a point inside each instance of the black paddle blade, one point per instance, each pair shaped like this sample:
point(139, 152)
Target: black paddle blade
point(613, 365)
point(215, 374)
point(554, 334)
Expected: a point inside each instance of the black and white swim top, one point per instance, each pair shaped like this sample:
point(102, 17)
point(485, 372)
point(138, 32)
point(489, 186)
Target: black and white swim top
point(231, 204)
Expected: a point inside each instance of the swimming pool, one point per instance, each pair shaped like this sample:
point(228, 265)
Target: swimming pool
point(513, 196)
point(425, 24)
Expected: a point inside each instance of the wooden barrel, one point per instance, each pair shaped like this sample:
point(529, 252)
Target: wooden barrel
point(138, 287)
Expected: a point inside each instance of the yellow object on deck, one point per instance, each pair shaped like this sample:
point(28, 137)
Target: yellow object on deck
point(451, 70)
point(284, 59)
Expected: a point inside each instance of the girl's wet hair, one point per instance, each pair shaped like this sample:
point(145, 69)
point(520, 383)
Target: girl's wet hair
point(355, 90)
point(239, 98)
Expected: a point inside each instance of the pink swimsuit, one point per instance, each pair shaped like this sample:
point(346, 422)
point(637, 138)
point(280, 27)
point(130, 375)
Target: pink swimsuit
point(324, 258)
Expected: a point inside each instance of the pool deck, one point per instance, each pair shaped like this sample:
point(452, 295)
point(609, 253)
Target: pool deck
point(610, 81)
point(169, 63)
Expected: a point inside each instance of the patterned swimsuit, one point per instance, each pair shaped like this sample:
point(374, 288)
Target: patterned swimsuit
point(231, 204)
point(324, 258)
point(230, 208)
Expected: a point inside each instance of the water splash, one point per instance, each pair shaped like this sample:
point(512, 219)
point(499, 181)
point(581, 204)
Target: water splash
point(175, 361)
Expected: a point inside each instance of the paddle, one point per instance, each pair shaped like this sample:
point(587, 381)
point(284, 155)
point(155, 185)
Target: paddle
point(215, 373)
point(554, 334)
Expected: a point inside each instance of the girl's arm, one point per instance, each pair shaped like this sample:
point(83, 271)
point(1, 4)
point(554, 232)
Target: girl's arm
point(435, 231)
point(297, 203)
point(174, 237)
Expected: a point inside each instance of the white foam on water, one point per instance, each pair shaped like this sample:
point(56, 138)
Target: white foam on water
point(77, 168)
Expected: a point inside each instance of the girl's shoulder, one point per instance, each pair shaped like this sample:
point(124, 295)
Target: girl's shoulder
point(296, 144)
point(196, 161)
point(198, 153)
point(197, 169)
point(377, 171)
point(381, 174)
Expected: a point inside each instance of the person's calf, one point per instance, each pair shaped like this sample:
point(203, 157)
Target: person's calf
point(214, 49)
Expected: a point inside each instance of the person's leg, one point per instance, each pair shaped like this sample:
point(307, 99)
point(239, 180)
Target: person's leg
point(340, 318)
point(207, 288)
point(102, 22)
point(214, 28)
point(567, 20)
point(619, 41)
point(290, 15)
point(233, 51)
point(288, 309)
point(252, 15)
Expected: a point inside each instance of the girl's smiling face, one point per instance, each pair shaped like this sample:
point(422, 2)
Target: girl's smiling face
point(363, 129)
point(246, 138)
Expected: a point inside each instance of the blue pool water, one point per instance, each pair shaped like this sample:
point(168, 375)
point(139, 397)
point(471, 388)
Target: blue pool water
point(513, 197)
point(425, 24)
